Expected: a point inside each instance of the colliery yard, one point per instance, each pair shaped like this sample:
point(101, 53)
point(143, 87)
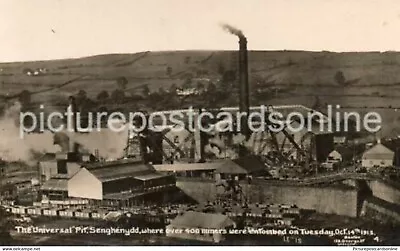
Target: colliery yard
point(273, 182)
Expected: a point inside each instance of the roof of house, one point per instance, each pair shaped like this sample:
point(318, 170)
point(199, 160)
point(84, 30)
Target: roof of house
point(335, 153)
point(242, 165)
point(181, 167)
point(202, 220)
point(55, 185)
point(379, 151)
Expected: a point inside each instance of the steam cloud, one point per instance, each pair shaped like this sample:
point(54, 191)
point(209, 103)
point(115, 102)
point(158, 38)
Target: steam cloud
point(219, 149)
point(110, 145)
point(14, 148)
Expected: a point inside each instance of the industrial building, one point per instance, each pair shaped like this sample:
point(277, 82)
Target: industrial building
point(62, 164)
point(121, 182)
point(241, 167)
point(200, 226)
point(191, 170)
point(309, 141)
point(56, 169)
point(11, 190)
point(55, 189)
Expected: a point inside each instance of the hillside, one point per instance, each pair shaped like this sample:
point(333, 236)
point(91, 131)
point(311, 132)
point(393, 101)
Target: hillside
point(353, 80)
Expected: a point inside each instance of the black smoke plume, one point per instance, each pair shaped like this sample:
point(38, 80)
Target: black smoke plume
point(232, 30)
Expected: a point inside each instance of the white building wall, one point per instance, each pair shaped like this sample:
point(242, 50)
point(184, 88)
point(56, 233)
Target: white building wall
point(369, 163)
point(85, 185)
point(48, 169)
point(72, 168)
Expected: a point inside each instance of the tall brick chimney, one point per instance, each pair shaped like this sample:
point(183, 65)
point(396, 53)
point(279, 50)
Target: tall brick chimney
point(244, 104)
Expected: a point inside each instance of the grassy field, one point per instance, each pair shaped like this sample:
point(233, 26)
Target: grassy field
point(366, 72)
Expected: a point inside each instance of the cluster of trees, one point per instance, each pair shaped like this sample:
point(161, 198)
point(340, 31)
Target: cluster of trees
point(212, 93)
point(340, 78)
point(117, 95)
point(25, 98)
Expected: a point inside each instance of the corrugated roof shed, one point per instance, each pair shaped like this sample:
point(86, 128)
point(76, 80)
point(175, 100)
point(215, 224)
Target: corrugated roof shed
point(149, 176)
point(120, 171)
point(113, 164)
point(202, 220)
point(188, 167)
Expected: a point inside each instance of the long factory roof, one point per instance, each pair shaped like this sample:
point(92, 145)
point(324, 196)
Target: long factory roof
point(121, 172)
point(188, 166)
point(242, 165)
point(121, 169)
point(149, 176)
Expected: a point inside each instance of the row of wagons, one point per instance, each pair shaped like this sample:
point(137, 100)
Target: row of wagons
point(57, 212)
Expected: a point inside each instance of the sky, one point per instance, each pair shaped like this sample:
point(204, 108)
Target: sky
point(55, 29)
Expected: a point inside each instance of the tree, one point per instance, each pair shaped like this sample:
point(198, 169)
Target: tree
point(229, 76)
point(339, 78)
point(81, 97)
point(169, 70)
point(145, 90)
point(317, 103)
point(27, 70)
point(221, 68)
point(211, 87)
point(122, 82)
point(81, 94)
point(187, 83)
point(201, 72)
point(103, 95)
point(161, 91)
point(25, 97)
point(187, 60)
point(200, 86)
point(118, 96)
point(172, 88)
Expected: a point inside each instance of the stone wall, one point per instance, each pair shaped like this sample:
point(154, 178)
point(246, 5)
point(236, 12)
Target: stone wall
point(332, 200)
point(385, 191)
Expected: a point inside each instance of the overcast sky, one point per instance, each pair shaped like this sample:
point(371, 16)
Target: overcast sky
point(89, 27)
